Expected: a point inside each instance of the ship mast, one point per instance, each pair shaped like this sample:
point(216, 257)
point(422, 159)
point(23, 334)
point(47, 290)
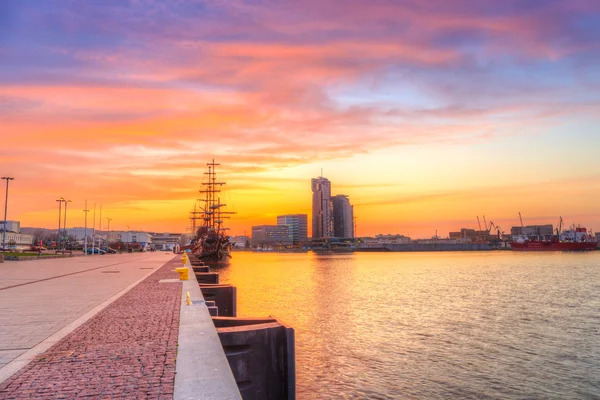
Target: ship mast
point(213, 216)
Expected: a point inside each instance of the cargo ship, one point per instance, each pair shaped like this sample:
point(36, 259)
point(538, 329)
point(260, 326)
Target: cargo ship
point(575, 239)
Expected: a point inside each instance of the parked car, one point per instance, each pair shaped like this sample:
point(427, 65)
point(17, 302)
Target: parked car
point(108, 250)
point(95, 250)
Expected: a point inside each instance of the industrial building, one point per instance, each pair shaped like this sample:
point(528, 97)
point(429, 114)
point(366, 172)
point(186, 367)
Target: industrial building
point(532, 230)
point(298, 226)
point(473, 236)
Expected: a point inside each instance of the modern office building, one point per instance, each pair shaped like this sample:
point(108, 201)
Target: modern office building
point(298, 226)
point(270, 235)
point(343, 216)
point(322, 208)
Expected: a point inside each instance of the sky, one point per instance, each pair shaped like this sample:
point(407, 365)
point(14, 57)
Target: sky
point(426, 114)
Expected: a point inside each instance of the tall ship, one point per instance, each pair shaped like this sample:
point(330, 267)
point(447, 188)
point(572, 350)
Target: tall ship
point(574, 239)
point(210, 243)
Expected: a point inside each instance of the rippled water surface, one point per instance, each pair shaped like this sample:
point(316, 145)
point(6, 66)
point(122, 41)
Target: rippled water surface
point(432, 325)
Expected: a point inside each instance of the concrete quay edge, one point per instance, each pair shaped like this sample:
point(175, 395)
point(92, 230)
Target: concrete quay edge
point(201, 370)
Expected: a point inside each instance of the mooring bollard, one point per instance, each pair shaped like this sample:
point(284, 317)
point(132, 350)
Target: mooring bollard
point(183, 273)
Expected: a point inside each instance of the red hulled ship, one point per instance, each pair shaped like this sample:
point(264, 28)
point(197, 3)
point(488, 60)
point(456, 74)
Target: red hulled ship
point(575, 239)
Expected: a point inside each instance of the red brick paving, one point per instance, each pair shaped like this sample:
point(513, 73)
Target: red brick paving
point(127, 351)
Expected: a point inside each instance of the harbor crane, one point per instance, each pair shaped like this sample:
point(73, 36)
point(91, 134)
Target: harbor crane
point(521, 218)
point(498, 230)
point(559, 228)
point(478, 223)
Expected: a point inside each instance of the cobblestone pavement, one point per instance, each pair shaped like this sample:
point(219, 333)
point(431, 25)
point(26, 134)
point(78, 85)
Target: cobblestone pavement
point(41, 301)
point(128, 350)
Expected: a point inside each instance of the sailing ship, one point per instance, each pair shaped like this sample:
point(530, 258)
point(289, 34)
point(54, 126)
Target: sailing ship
point(210, 243)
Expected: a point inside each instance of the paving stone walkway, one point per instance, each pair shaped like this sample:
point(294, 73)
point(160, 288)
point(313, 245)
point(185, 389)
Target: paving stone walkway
point(128, 350)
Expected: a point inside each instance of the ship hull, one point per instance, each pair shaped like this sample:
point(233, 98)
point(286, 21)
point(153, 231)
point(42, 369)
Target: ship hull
point(214, 259)
point(553, 246)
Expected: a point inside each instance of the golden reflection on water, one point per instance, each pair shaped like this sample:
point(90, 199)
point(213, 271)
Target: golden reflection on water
point(452, 324)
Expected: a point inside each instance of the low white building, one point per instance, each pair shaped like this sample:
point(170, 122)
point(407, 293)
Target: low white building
point(165, 241)
point(16, 239)
point(143, 238)
point(79, 233)
point(11, 226)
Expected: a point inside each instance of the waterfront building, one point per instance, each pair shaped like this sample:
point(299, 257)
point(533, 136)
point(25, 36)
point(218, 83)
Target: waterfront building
point(343, 217)
point(532, 230)
point(298, 226)
point(14, 236)
point(322, 208)
point(79, 233)
point(11, 226)
point(165, 241)
point(136, 239)
point(270, 235)
point(471, 235)
point(239, 242)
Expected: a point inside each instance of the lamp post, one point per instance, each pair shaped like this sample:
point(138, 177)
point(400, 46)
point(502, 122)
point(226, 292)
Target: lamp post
point(60, 201)
point(108, 232)
point(7, 178)
point(65, 224)
point(86, 211)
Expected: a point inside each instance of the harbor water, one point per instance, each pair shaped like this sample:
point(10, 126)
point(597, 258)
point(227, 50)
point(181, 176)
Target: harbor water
point(495, 324)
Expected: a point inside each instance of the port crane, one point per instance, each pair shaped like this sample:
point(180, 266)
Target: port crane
point(559, 228)
point(498, 230)
point(521, 218)
point(478, 223)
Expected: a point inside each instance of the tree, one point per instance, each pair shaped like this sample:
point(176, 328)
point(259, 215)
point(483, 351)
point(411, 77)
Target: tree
point(247, 244)
point(38, 235)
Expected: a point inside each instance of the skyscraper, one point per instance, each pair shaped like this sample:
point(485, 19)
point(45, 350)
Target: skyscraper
point(322, 209)
point(343, 217)
point(297, 224)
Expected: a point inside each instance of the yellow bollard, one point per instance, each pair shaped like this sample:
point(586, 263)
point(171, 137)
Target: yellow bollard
point(183, 273)
point(188, 299)
point(184, 258)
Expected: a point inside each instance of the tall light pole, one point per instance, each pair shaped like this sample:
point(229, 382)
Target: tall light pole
point(94, 231)
point(85, 230)
point(108, 229)
point(65, 224)
point(8, 179)
point(60, 201)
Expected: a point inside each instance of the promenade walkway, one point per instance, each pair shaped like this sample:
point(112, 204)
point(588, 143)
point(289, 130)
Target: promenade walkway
point(42, 301)
point(108, 327)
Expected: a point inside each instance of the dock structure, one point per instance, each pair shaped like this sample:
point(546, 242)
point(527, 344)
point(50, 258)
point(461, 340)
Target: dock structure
point(113, 326)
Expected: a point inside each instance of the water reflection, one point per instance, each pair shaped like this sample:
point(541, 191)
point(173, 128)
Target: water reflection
point(468, 325)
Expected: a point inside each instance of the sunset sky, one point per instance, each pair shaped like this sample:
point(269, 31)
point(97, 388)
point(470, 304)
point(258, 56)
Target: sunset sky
point(426, 113)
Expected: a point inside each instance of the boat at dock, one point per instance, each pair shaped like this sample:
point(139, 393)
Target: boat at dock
point(574, 239)
point(211, 243)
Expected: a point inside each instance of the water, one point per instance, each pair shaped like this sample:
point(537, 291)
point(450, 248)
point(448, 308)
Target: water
point(432, 325)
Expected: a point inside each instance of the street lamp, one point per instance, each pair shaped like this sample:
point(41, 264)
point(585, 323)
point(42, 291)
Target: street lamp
point(65, 224)
point(108, 233)
point(86, 211)
point(60, 201)
point(5, 209)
